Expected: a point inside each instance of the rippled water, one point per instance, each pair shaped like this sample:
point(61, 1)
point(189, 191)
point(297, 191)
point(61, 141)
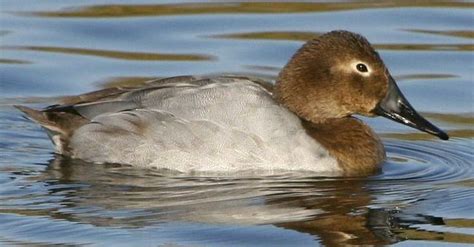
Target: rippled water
point(49, 49)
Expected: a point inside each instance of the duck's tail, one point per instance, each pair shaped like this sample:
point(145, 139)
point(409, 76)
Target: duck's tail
point(58, 125)
point(42, 119)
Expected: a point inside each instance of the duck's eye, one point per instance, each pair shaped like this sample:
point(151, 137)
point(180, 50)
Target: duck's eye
point(362, 67)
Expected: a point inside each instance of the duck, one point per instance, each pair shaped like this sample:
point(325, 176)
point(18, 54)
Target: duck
point(304, 121)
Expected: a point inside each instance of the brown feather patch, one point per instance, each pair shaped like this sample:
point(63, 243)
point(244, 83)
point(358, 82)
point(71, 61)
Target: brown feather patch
point(356, 147)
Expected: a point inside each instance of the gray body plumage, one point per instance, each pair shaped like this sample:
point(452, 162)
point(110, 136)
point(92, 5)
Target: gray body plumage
point(187, 124)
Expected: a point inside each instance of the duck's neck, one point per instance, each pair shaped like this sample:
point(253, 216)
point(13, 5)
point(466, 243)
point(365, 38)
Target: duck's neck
point(356, 147)
point(297, 95)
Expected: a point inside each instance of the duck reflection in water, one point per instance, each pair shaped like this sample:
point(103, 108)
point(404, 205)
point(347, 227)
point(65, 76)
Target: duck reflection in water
point(332, 209)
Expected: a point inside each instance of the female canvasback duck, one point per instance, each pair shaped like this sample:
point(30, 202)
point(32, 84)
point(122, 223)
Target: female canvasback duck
point(235, 124)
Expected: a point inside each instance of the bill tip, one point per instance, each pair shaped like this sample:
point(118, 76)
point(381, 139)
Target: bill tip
point(443, 136)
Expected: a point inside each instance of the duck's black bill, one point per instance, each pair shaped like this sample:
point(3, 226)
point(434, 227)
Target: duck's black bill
point(396, 107)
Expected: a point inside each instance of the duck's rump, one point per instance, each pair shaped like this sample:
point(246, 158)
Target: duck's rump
point(190, 124)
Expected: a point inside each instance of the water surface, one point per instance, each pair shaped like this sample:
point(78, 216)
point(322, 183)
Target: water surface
point(49, 49)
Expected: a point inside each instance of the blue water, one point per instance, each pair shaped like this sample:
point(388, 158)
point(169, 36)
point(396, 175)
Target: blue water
point(49, 49)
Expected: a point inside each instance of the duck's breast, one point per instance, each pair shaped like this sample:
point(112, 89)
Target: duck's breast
point(224, 125)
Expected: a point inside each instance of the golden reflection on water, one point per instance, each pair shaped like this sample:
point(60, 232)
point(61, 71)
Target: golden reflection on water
point(463, 123)
point(123, 55)
point(453, 119)
point(448, 237)
point(13, 61)
point(459, 33)
point(304, 36)
point(291, 35)
point(424, 76)
point(420, 136)
point(115, 10)
point(462, 223)
point(423, 47)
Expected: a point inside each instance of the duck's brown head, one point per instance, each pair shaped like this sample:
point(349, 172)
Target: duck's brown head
point(339, 74)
